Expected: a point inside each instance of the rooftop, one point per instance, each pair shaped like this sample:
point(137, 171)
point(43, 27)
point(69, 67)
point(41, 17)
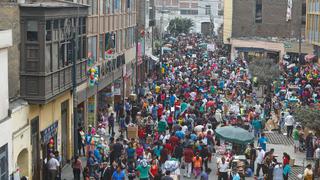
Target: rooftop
point(269, 39)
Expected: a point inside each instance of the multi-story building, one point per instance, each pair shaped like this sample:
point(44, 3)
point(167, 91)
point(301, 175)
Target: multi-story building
point(266, 21)
point(205, 14)
point(312, 25)
point(167, 4)
point(49, 39)
point(111, 46)
point(145, 23)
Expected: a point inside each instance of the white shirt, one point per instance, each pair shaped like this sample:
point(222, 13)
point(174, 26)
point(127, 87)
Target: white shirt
point(53, 164)
point(184, 128)
point(260, 156)
point(223, 167)
point(289, 120)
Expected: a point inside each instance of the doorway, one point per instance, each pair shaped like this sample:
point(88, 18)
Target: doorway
point(64, 131)
point(35, 148)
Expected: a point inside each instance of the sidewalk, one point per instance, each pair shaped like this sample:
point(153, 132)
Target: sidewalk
point(67, 173)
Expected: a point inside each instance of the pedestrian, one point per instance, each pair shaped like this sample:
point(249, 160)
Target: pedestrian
point(111, 124)
point(167, 176)
point(289, 122)
point(262, 142)
point(296, 138)
point(309, 146)
point(188, 155)
point(53, 167)
point(260, 158)
point(144, 170)
point(223, 167)
point(76, 168)
point(205, 174)
point(118, 174)
point(81, 140)
point(197, 164)
point(59, 158)
point(308, 173)
point(286, 171)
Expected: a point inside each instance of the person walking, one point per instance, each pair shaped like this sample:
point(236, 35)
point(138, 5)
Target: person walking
point(197, 164)
point(296, 137)
point(260, 158)
point(286, 171)
point(188, 156)
point(289, 122)
point(223, 167)
point(308, 173)
point(53, 167)
point(76, 168)
point(111, 124)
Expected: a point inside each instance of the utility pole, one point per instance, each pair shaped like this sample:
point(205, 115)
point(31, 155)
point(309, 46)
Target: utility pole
point(137, 56)
point(74, 83)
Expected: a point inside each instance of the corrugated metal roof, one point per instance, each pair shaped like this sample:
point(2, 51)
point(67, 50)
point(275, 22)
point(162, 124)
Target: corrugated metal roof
point(53, 4)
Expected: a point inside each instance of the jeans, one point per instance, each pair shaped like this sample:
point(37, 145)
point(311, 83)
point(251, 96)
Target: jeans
point(81, 147)
point(111, 129)
point(259, 166)
point(289, 131)
point(256, 132)
point(76, 174)
point(223, 175)
point(188, 169)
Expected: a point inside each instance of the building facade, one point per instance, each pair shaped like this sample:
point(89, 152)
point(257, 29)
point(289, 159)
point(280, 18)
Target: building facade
point(312, 25)
point(263, 18)
point(111, 49)
point(205, 14)
point(265, 21)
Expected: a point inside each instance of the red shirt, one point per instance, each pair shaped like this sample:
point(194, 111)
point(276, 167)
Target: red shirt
point(174, 140)
point(285, 161)
point(168, 147)
point(188, 155)
point(154, 170)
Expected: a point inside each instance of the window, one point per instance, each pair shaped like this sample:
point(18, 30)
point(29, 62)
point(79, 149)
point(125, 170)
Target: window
point(32, 31)
point(48, 30)
point(208, 10)
point(92, 47)
point(258, 11)
point(101, 49)
point(189, 12)
point(117, 5)
point(107, 4)
point(101, 7)
point(93, 9)
point(4, 162)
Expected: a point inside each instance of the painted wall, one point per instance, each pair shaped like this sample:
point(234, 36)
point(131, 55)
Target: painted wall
point(227, 20)
point(21, 136)
point(5, 43)
point(51, 112)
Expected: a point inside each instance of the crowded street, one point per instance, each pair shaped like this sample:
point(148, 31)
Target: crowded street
point(197, 116)
point(160, 90)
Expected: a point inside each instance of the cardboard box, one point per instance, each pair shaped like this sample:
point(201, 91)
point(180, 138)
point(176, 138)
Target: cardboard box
point(132, 132)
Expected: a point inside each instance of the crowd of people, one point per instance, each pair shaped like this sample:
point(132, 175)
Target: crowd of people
point(176, 111)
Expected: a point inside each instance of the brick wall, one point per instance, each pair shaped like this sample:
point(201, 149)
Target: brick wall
point(273, 19)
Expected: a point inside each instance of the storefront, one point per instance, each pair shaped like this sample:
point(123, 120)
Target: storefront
point(91, 111)
point(49, 140)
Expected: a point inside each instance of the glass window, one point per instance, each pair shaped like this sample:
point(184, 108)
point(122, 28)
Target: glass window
point(101, 7)
point(258, 18)
point(92, 47)
point(101, 49)
point(208, 10)
point(107, 4)
point(32, 31)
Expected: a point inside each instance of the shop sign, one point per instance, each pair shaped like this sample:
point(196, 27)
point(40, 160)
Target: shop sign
point(49, 132)
point(110, 94)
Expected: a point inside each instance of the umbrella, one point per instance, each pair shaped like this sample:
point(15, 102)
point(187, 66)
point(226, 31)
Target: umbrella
point(234, 134)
